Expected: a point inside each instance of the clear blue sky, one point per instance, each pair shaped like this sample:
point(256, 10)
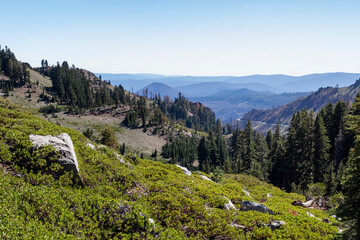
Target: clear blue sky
point(195, 37)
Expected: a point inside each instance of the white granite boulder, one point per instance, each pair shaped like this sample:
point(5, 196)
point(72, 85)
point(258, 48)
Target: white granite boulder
point(61, 143)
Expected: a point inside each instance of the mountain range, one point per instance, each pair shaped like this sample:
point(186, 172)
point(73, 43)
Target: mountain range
point(267, 119)
point(276, 83)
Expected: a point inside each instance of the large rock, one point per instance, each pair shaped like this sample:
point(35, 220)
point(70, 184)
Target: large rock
point(61, 143)
point(185, 170)
point(250, 205)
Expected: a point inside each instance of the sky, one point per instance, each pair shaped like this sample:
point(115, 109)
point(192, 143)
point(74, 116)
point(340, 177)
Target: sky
point(186, 37)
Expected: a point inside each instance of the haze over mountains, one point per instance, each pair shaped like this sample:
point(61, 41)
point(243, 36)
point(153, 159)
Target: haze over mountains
point(267, 119)
point(232, 97)
point(275, 83)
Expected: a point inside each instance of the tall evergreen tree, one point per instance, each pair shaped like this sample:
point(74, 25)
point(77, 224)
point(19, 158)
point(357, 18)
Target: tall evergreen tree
point(277, 159)
point(349, 210)
point(322, 162)
point(248, 156)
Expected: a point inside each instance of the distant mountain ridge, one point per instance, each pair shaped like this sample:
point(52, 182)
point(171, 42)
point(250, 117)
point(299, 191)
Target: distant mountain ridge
point(315, 101)
point(276, 83)
point(229, 105)
point(159, 88)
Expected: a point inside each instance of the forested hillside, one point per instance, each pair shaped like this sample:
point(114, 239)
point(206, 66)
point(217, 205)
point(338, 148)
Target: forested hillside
point(125, 197)
point(317, 157)
point(315, 101)
point(82, 91)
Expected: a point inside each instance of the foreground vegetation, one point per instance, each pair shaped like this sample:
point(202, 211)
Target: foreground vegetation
point(140, 200)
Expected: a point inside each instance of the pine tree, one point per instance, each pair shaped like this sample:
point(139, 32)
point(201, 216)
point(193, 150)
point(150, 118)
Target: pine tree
point(249, 158)
point(108, 137)
point(349, 210)
point(276, 158)
point(322, 162)
point(262, 164)
point(299, 165)
point(203, 154)
point(269, 138)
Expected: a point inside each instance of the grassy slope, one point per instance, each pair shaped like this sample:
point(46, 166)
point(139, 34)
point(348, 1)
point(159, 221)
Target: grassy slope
point(116, 199)
point(37, 77)
point(136, 139)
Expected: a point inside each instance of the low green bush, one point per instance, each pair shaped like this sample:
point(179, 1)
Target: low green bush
point(141, 199)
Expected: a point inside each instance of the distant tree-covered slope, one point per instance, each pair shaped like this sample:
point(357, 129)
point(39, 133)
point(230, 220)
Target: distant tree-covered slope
point(234, 104)
point(83, 91)
point(314, 101)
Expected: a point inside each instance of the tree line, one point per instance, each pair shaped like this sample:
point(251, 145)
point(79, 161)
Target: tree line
point(70, 85)
point(315, 149)
point(15, 70)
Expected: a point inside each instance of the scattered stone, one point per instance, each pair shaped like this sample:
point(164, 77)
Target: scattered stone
point(229, 205)
point(206, 178)
point(123, 209)
point(91, 146)
point(325, 220)
point(61, 143)
point(308, 203)
point(254, 206)
point(310, 214)
point(312, 204)
point(238, 226)
point(246, 193)
point(303, 204)
point(269, 195)
point(120, 158)
point(152, 222)
point(297, 203)
point(275, 224)
point(185, 170)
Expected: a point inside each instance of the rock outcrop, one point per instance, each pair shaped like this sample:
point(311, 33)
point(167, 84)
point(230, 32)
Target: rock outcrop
point(312, 204)
point(254, 206)
point(185, 170)
point(229, 205)
point(61, 143)
point(206, 178)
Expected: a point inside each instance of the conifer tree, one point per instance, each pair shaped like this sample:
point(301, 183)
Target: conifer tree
point(322, 162)
point(349, 210)
point(277, 158)
point(269, 138)
point(249, 158)
point(108, 137)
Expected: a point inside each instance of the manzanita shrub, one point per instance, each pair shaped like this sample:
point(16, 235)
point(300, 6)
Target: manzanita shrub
point(139, 199)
